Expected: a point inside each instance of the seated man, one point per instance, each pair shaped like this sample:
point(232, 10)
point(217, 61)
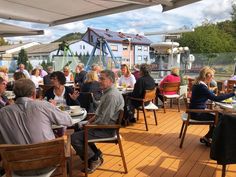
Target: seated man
point(145, 82)
point(29, 121)
point(106, 113)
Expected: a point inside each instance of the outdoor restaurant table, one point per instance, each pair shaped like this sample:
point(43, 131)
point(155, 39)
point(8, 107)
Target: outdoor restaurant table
point(223, 148)
point(75, 119)
point(224, 105)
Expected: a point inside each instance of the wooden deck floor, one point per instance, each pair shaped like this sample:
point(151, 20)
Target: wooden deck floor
point(157, 153)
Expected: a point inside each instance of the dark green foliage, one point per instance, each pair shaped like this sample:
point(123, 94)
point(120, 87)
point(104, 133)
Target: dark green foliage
point(2, 41)
point(22, 57)
point(209, 38)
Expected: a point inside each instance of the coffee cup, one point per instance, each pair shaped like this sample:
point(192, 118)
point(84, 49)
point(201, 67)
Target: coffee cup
point(75, 109)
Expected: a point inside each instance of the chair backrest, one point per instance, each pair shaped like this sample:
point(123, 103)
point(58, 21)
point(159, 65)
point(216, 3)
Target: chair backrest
point(34, 156)
point(86, 101)
point(230, 85)
point(171, 87)
point(150, 95)
point(120, 117)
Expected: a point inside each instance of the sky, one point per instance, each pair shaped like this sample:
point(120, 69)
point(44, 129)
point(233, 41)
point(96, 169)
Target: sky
point(137, 21)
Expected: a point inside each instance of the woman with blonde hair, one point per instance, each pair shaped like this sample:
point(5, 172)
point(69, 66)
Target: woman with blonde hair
point(172, 77)
point(92, 85)
point(127, 79)
point(200, 95)
point(69, 75)
point(4, 73)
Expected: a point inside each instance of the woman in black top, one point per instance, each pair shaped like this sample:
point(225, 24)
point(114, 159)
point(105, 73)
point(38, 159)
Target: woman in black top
point(200, 95)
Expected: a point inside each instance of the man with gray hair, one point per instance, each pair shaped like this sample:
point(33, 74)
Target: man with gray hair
point(29, 121)
point(107, 113)
point(80, 75)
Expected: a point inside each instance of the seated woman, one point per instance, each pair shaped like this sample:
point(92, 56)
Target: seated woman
point(68, 75)
point(3, 99)
point(127, 79)
point(91, 85)
point(35, 77)
point(4, 73)
point(200, 95)
point(172, 77)
point(60, 93)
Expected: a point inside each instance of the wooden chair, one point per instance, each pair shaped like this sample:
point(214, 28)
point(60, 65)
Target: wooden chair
point(190, 85)
point(171, 87)
point(186, 118)
point(86, 101)
point(230, 86)
point(115, 139)
point(149, 96)
point(31, 157)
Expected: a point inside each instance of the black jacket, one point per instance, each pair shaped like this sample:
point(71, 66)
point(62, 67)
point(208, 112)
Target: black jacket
point(80, 77)
point(70, 102)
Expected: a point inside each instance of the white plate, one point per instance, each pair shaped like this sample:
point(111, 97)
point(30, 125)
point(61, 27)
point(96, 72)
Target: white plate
point(77, 113)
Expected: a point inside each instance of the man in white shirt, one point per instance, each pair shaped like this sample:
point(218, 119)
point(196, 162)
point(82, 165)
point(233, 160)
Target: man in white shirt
point(23, 70)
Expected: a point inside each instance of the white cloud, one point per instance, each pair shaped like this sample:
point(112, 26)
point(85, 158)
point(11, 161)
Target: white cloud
point(141, 20)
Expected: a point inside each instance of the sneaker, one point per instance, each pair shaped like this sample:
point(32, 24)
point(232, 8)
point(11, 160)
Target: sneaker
point(93, 165)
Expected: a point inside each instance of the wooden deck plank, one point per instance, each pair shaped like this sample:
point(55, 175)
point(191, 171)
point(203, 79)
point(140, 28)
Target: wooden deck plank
point(157, 153)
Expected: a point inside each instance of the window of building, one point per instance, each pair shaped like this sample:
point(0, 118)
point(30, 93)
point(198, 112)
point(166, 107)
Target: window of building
point(83, 46)
point(139, 58)
point(145, 48)
point(139, 48)
point(80, 46)
point(114, 47)
point(145, 58)
point(125, 47)
point(91, 38)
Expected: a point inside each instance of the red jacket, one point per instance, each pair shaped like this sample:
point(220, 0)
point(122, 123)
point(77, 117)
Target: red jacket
point(170, 78)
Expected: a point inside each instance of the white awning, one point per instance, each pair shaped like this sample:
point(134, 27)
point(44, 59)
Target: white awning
point(7, 30)
point(56, 12)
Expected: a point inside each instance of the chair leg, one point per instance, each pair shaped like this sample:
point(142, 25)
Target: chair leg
point(223, 170)
point(164, 104)
point(70, 163)
point(155, 116)
point(178, 104)
point(145, 119)
point(122, 155)
point(171, 103)
point(181, 131)
point(86, 154)
point(137, 114)
point(183, 135)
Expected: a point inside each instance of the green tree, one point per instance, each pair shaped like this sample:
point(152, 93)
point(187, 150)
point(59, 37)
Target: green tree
point(2, 41)
point(22, 57)
point(208, 39)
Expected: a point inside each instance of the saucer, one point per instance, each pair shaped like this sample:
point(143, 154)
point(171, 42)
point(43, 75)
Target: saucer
point(77, 113)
